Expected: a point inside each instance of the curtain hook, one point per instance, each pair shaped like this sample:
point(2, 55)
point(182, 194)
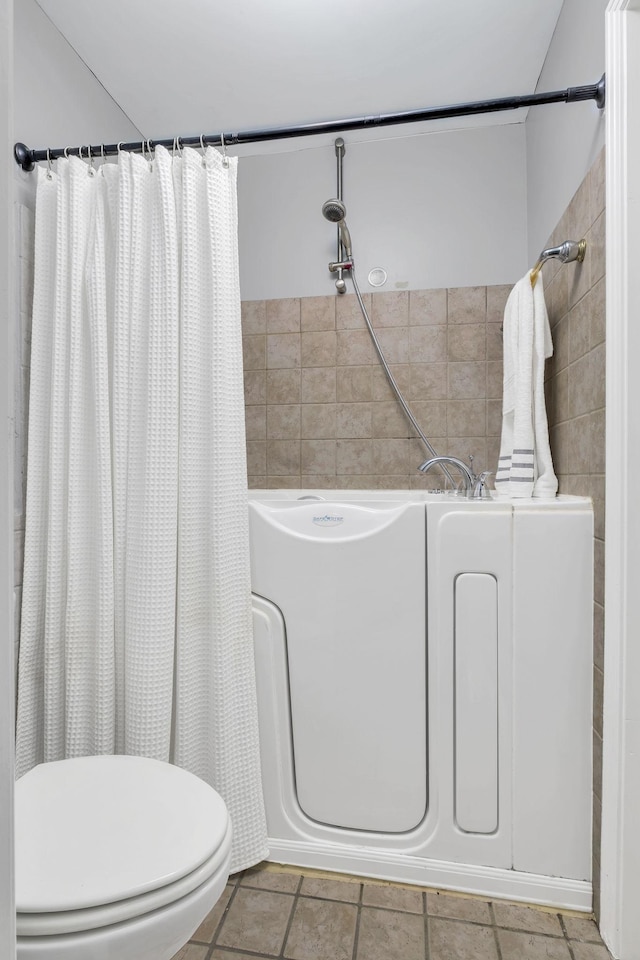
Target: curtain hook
point(177, 147)
point(225, 158)
point(49, 173)
point(92, 171)
point(66, 153)
point(102, 158)
point(204, 161)
point(120, 147)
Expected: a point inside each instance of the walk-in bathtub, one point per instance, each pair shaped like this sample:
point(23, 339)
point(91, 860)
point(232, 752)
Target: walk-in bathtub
point(424, 686)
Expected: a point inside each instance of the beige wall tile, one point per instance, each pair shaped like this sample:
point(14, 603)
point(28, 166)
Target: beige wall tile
point(580, 445)
point(283, 421)
point(354, 457)
point(497, 297)
point(253, 352)
point(427, 306)
point(283, 386)
point(467, 342)
point(579, 275)
point(254, 316)
point(353, 420)
point(428, 381)
point(318, 385)
point(431, 416)
point(380, 386)
point(318, 421)
point(598, 312)
point(353, 384)
point(466, 418)
point(598, 372)
point(495, 342)
point(348, 313)
point(560, 358)
point(390, 309)
point(388, 420)
point(319, 349)
point(283, 316)
point(494, 418)
point(427, 344)
point(317, 313)
point(465, 447)
point(467, 381)
point(353, 347)
point(256, 422)
point(283, 483)
point(580, 328)
point(597, 438)
point(557, 297)
point(256, 457)
point(494, 379)
point(580, 387)
point(318, 457)
point(394, 342)
point(283, 350)
point(255, 386)
point(256, 482)
point(283, 458)
point(597, 246)
point(467, 304)
point(390, 456)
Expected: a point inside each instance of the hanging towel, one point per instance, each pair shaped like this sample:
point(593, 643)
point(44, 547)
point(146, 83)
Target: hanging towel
point(525, 468)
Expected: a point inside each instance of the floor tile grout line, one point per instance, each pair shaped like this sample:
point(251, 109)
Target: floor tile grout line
point(566, 936)
point(294, 906)
point(425, 914)
point(218, 928)
point(494, 926)
point(356, 932)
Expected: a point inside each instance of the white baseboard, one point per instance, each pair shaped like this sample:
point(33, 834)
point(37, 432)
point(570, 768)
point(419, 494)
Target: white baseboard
point(489, 882)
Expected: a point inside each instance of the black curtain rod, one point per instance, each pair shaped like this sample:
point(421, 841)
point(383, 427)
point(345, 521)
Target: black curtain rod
point(27, 158)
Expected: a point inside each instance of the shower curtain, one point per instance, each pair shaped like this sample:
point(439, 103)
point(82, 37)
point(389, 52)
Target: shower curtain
point(136, 617)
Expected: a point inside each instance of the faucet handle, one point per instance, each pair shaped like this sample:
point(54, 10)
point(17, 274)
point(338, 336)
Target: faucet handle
point(481, 490)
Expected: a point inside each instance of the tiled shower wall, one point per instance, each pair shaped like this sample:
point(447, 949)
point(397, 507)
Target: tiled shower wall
point(576, 406)
point(320, 412)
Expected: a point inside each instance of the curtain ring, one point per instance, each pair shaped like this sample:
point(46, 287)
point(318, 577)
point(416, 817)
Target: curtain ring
point(92, 171)
point(66, 153)
point(49, 173)
point(120, 147)
point(177, 148)
point(204, 161)
point(225, 158)
point(102, 158)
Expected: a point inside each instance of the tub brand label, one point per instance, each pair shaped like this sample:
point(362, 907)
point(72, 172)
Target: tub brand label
point(328, 521)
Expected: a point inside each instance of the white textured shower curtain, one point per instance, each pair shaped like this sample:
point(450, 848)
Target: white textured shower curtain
point(136, 616)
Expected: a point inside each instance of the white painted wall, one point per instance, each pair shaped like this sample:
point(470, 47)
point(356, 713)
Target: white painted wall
point(437, 210)
point(58, 101)
point(563, 140)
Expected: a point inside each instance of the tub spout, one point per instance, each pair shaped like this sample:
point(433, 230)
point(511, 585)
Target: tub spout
point(468, 477)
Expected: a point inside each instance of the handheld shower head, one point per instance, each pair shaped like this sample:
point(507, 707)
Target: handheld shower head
point(335, 211)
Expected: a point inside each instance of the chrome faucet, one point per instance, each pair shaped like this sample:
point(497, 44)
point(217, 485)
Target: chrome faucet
point(475, 487)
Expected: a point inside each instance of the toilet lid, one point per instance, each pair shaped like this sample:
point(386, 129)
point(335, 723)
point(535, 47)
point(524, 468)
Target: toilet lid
point(93, 830)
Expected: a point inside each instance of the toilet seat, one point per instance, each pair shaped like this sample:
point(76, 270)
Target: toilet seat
point(87, 850)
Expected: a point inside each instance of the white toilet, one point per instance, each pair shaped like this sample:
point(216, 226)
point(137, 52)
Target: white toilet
point(117, 858)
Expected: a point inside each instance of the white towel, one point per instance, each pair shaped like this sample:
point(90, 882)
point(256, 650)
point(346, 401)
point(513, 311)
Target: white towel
point(525, 468)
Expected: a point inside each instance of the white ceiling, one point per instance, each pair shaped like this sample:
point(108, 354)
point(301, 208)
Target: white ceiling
point(192, 66)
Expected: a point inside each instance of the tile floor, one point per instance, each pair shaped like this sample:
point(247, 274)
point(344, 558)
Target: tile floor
point(270, 913)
